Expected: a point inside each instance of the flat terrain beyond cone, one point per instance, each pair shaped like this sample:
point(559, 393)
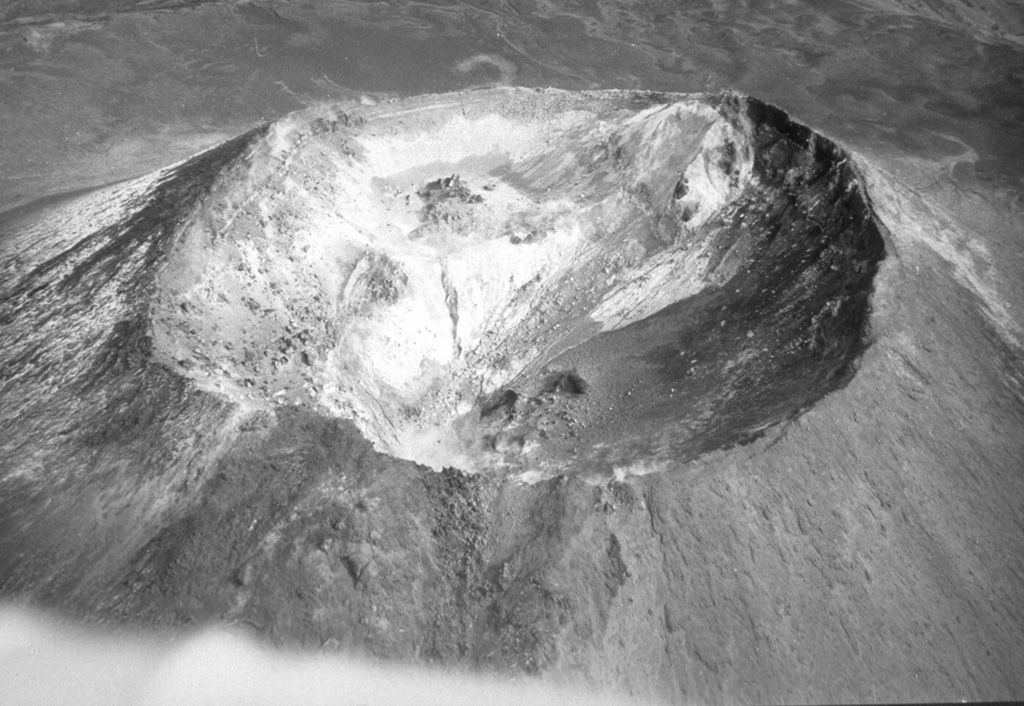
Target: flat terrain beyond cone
point(451, 378)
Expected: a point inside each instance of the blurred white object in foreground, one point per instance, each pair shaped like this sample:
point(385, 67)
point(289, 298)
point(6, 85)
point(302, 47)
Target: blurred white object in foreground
point(43, 662)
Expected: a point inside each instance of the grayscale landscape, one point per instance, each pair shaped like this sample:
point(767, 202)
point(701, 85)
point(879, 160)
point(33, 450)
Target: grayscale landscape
point(511, 351)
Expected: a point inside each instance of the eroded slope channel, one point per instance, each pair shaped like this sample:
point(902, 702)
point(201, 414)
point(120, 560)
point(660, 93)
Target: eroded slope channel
point(536, 282)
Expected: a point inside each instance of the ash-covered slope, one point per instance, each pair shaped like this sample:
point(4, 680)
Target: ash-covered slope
point(97, 440)
point(220, 383)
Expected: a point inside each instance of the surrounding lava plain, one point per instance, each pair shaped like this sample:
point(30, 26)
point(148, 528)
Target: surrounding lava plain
point(772, 447)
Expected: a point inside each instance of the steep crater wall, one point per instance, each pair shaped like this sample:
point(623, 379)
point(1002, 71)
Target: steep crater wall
point(779, 324)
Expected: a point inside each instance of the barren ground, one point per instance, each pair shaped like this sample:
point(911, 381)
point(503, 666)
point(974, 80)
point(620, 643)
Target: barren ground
point(859, 540)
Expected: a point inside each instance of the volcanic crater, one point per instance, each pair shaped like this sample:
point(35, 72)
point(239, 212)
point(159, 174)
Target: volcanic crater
point(527, 281)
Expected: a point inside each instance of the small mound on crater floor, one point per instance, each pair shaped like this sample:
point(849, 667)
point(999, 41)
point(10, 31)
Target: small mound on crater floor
point(530, 280)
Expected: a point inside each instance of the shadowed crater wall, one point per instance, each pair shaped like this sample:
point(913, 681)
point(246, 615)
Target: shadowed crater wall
point(718, 367)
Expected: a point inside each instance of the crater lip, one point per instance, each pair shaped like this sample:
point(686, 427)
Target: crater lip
point(537, 282)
